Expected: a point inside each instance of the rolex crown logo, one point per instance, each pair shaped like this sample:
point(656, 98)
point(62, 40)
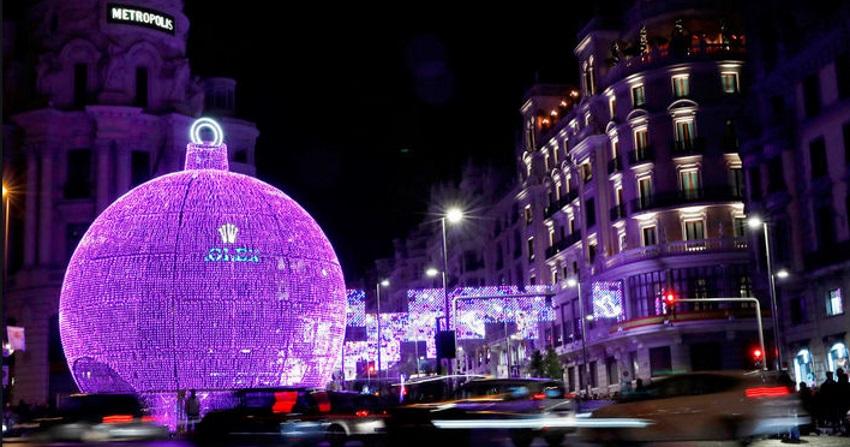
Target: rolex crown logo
point(228, 233)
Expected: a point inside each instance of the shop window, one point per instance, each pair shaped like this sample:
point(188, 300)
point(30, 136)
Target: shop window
point(837, 357)
point(660, 361)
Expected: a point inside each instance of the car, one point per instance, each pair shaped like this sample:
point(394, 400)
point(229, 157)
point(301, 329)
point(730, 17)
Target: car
point(526, 408)
point(699, 406)
point(294, 416)
point(99, 417)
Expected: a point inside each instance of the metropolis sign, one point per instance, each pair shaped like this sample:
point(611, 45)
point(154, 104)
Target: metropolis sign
point(134, 15)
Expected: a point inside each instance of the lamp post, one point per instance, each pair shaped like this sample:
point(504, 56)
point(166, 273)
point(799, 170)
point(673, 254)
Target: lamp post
point(754, 223)
point(574, 282)
point(383, 283)
point(453, 215)
point(6, 200)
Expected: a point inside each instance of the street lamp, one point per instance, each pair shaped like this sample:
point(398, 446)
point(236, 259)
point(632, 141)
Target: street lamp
point(574, 282)
point(7, 195)
point(431, 272)
point(383, 283)
point(754, 223)
point(782, 274)
point(453, 215)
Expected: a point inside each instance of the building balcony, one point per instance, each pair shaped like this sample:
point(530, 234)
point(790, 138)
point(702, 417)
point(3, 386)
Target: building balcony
point(641, 155)
point(662, 55)
point(614, 166)
point(563, 244)
point(677, 198)
point(676, 248)
point(554, 207)
point(617, 212)
point(727, 313)
point(684, 148)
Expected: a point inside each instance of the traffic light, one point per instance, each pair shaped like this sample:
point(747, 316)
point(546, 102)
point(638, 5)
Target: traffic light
point(758, 357)
point(371, 368)
point(669, 297)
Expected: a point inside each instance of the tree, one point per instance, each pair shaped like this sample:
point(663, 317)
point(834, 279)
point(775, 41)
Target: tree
point(535, 365)
point(551, 366)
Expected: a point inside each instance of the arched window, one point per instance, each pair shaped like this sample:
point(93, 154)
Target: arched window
point(837, 357)
point(803, 368)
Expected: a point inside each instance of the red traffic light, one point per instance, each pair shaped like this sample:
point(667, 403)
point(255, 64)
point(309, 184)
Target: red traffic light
point(669, 297)
point(757, 354)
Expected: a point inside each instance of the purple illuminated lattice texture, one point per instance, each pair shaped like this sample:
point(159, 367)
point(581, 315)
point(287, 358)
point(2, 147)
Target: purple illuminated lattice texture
point(607, 299)
point(202, 279)
point(356, 310)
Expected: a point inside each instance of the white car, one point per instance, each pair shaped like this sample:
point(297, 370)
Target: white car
point(698, 406)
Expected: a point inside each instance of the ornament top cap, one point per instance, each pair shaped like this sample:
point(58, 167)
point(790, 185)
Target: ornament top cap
point(201, 154)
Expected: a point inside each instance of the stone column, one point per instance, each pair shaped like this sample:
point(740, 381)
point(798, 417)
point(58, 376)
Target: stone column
point(103, 175)
point(45, 229)
point(122, 170)
point(31, 196)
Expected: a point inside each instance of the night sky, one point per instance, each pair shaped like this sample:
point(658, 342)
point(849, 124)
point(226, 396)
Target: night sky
point(365, 112)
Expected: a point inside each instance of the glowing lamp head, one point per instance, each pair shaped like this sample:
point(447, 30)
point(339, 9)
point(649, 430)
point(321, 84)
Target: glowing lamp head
point(202, 279)
point(754, 222)
point(454, 215)
point(670, 298)
point(782, 274)
point(572, 282)
point(431, 272)
point(385, 283)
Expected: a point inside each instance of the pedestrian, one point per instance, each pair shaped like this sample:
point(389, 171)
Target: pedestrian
point(639, 386)
point(842, 399)
point(193, 410)
point(827, 401)
point(625, 384)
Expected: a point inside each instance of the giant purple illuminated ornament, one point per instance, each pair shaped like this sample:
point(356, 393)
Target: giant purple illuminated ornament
point(202, 279)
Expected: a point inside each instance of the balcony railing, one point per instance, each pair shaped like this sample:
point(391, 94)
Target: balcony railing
point(614, 165)
point(694, 146)
point(563, 244)
point(641, 155)
point(662, 200)
point(677, 248)
point(565, 199)
point(617, 212)
point(662, 55)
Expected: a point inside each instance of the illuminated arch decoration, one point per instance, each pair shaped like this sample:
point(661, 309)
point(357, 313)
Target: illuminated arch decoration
point(202, 279)
point(419, 323)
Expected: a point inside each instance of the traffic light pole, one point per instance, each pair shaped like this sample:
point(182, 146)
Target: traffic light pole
point(737, 300)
